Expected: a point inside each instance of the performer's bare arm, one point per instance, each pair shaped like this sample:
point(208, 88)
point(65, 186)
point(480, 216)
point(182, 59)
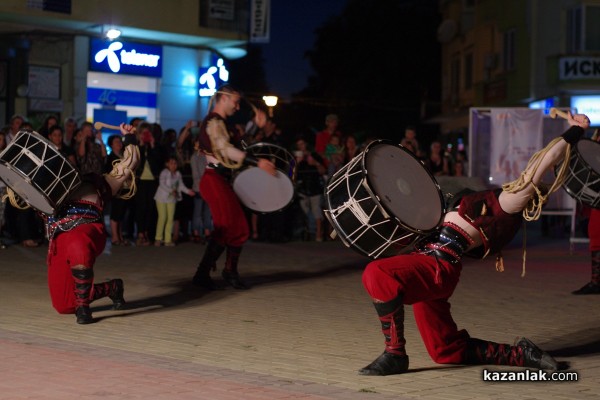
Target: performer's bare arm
point(514, 203)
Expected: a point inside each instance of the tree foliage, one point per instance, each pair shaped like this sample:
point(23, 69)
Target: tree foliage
point(376, 63)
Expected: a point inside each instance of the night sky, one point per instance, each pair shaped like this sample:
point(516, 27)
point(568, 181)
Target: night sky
point(293, 24)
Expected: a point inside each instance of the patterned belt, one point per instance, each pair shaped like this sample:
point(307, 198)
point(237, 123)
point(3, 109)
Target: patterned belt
point(449, 244)
point(71, 216)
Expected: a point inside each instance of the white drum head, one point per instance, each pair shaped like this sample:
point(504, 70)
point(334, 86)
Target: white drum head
point(590, 152)
point(262, 192)
point(404, 187)
point(23, 187)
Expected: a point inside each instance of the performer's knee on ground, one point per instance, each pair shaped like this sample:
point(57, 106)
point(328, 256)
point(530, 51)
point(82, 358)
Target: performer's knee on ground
point(64, 309)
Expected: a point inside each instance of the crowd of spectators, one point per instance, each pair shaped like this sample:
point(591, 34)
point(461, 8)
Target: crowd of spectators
point(318, 156)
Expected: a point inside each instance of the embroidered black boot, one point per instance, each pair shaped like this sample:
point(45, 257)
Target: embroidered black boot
point(230, 273)
point(393, 360)
point(593, 286)
point(114, 289)
point(209, 262)
point(523, 354)
point(84, 278)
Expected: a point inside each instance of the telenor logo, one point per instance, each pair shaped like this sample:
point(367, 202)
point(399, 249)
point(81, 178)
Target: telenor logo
point(116, 58)
point(109, 54)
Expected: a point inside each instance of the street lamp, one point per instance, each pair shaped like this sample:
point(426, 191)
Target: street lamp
point(112, 33)
point(270, 101)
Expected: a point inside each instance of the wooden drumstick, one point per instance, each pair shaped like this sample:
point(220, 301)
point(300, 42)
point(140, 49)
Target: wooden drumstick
point(100, 125)
point(254, 108)
point(555, 112)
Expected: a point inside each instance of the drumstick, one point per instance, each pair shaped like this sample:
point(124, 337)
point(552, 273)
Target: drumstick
point(555, 112)
point(254, 108)
point(100, 125)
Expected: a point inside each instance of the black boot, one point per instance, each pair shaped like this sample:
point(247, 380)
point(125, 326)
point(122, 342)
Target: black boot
point(593, 286)
point(589, 288)
point(393, 360)
point(209, 262)
point(84, 315)
point(230, 273)
point(116, 292)
point(523, 354)
point(534, 357)
point(84, 279)
point(113, 289)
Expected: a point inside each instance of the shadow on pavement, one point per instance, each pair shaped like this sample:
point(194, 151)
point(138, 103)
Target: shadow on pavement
point(588, 344)
point(185, 294)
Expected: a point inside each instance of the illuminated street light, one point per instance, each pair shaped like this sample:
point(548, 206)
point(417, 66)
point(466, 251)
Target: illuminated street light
point(113, 33)
point(270, 101)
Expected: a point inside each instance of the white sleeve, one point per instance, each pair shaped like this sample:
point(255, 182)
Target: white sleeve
point(223, 150)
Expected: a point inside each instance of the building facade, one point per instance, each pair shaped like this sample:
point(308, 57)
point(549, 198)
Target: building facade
point(55, 57)
point(516, 53)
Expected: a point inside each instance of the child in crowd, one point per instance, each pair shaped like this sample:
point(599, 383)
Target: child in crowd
point(334, 152)
point(167, 194)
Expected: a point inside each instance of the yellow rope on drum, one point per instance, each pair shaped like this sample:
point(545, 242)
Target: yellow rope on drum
point(533, 209)
point(115, 173)
point(15, 200)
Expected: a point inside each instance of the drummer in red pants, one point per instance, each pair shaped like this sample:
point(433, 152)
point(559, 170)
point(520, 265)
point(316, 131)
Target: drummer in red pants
point(231, 231)
point(481, 223)
point(77, 236)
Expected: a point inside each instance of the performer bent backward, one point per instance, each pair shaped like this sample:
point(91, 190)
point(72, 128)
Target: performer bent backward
point(77, 236)
point(482, 223)
point(230, 225)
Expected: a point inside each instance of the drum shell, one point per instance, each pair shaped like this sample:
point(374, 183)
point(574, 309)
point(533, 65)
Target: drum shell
point(583, 181)
point(35, 170)
point(260, 192)
point(358, 216)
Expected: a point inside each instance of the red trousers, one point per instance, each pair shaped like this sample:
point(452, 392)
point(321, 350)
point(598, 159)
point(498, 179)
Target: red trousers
point(427, 284)
point(79, 246)
point(594, 229)
point(229, 219)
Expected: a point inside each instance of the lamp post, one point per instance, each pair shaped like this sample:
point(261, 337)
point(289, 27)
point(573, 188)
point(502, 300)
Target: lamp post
point(270, 101)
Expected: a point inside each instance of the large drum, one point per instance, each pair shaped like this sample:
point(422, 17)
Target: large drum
point(583, 178)
point(261, 192)
point(35, 170)
point(383, 201)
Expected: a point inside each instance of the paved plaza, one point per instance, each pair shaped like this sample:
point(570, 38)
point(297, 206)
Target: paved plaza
point(301, 332)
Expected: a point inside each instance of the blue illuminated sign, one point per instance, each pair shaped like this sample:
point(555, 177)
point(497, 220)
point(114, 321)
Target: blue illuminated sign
point(210, 78)
point(125, 58)
point(112, 97)
point(588, 105)
point(545, 104)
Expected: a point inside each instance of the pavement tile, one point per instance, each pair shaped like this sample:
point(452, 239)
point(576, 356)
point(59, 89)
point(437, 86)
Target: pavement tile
point(301, 332)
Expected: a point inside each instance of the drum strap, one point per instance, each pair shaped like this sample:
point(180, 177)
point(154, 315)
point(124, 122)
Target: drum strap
point(221, 170)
